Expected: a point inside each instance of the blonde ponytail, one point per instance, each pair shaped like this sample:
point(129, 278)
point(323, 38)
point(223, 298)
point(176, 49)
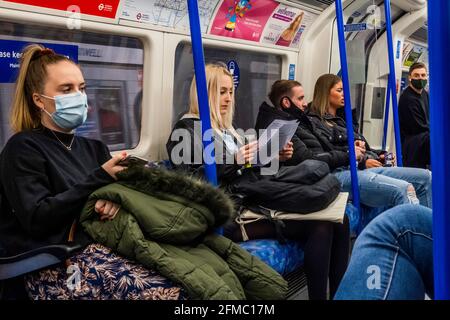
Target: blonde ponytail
point(25, 115)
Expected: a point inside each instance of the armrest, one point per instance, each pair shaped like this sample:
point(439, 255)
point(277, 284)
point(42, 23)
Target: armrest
point(36, 259)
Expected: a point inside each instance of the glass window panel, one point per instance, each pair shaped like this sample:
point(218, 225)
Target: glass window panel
point(257, 73)
point(112, 67)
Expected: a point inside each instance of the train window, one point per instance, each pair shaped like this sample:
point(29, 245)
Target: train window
point(112, 66)
point(257, 73)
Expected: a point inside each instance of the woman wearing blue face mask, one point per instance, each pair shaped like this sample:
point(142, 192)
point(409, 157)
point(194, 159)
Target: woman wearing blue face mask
point(46, 176)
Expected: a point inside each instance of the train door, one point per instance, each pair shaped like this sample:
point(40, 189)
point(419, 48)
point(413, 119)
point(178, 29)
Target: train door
point(365, 26)
point(405, 52)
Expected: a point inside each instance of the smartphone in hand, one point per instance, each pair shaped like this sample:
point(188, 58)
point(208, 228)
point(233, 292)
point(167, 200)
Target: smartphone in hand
point(133, 160)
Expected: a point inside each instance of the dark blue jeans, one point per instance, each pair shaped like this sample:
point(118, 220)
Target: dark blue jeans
point(392, 258)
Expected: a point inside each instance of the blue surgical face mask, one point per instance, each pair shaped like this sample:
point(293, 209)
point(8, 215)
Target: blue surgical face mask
point(71, 110)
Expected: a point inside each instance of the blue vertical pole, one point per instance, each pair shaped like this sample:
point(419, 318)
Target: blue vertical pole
point(392, 80)
point(348, 104)
point(439, 51)
point(386, 115)
point(202, 91)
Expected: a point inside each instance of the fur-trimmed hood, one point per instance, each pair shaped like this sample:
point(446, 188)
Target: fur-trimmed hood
point(166, 222)
point(161, 182)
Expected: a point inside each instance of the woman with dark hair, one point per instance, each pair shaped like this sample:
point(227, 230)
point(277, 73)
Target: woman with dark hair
point(326, 140)
point(328, 98)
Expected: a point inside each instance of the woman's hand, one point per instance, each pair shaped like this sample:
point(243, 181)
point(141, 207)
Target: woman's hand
point(111, 166)
point(359, 153)
point(287, 152)
point(106, 209)
point(247, 153)
point(372, 163)
point(360, 144)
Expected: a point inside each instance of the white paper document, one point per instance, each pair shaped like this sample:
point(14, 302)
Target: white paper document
point(268, 148)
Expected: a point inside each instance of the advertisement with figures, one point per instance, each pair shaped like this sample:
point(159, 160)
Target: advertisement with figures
point(285, 26)
point(244, 19)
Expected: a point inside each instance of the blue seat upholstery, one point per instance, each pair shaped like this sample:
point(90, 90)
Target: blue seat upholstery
point(283, 258)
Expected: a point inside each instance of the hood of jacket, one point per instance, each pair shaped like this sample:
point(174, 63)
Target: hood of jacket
point(169, 184)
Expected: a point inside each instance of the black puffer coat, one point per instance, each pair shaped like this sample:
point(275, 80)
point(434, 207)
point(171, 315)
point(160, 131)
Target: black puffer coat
point(308, 144)
point(333, 130)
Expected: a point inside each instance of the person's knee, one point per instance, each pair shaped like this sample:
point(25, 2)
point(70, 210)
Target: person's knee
point(404, 193)
point(423, 178)
point(411, 194)
point(400, 218)
point(394, 191)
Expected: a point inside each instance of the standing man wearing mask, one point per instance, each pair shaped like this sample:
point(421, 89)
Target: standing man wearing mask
point(414, 114)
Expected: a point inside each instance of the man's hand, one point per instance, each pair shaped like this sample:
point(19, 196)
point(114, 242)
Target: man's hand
point(372, 163)
point(287, 152)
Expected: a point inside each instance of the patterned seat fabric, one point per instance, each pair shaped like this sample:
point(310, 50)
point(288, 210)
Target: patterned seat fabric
point(283, 258)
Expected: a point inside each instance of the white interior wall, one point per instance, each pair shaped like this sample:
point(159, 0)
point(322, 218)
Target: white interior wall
point(378, 70)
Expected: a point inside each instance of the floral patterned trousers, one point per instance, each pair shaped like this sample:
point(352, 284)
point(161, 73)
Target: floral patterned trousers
point(97, 273)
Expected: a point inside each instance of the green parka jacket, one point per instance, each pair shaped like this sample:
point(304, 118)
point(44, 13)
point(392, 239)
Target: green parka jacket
point(167, 222)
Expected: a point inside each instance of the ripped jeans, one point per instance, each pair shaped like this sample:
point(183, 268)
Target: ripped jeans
point(389, 186)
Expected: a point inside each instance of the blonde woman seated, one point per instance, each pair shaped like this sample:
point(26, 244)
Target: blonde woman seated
point(326, 244)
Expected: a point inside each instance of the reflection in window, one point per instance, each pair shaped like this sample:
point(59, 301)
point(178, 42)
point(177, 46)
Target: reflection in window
point(257, 73)
point(112, 67)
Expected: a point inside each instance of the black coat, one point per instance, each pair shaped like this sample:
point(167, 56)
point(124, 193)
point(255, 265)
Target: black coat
point(308, 144)
point(225, 172)
point(414, 116)
point(303, 188)
point(334, 130)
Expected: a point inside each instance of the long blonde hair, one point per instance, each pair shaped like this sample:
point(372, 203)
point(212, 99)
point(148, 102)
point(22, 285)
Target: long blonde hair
point(25, 115)
point(321, 99)
point(214, 72)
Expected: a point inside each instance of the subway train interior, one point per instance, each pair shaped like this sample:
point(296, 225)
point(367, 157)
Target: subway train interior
point(136, 58)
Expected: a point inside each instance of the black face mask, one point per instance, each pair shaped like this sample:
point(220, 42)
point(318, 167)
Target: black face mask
point(419, 84)
point(293, 109)
point(292, 104)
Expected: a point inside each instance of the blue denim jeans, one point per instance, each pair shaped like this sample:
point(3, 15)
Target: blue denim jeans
point(392, 258)
point(388, 186)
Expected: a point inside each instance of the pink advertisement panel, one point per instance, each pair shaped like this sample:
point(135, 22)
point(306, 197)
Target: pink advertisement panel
point(244, 19)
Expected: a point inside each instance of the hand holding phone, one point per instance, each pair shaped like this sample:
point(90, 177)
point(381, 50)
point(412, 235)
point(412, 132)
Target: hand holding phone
point(133, 160)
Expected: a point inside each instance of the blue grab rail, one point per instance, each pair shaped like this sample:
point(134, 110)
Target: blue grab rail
point(386, 115)
point(202, 91)
point(439, 51)
point(348, 103)
point(392, 82)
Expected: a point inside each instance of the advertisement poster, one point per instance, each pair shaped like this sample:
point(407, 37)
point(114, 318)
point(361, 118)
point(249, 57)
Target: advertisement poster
point(11, 52)
point(100, 8)
point(413, 53)
point(167, 13)
point(243, 19)
point(285, 26)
